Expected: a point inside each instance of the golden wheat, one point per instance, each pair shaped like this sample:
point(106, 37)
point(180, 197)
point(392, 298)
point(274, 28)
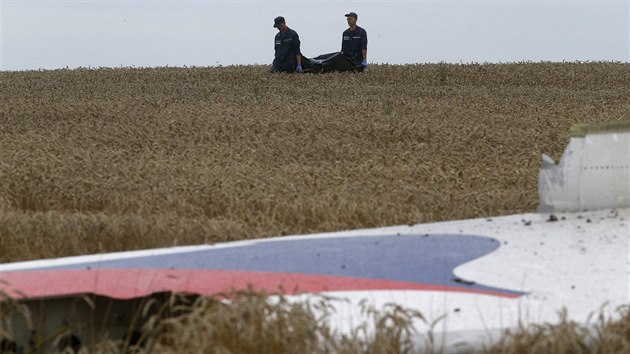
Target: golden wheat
point(117, 159)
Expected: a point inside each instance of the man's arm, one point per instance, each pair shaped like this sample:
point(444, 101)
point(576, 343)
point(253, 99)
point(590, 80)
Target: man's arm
point(296, 48)
point(298, 53)
point(364, 41)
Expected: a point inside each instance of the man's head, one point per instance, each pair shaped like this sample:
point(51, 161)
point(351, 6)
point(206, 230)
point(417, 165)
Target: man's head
point(352, 18)
point(279, 23)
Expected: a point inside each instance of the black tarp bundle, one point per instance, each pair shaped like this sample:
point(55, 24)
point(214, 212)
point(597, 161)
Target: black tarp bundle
point(329, 62)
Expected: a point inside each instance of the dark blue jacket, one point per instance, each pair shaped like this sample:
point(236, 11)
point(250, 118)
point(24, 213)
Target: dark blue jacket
point(287, 47)
point(353, 42)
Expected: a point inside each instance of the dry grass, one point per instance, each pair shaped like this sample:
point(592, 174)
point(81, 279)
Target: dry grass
point(256, 323)
point(603, 336)
point(253, 322)
point(119, 159)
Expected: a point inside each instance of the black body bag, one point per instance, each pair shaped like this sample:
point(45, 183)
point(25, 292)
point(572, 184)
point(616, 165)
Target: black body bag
point(328, 63)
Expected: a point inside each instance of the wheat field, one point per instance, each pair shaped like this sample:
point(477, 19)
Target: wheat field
point(101, 160)
point(98, 160)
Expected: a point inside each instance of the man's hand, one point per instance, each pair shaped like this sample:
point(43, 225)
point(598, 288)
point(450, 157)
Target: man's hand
point(364, 63)
point(298, 69)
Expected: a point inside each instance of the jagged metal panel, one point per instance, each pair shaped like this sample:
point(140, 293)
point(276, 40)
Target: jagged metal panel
point(593, 173)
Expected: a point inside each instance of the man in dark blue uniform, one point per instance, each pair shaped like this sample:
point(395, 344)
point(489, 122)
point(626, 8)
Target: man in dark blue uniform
point(354, 42)
point(288, 57)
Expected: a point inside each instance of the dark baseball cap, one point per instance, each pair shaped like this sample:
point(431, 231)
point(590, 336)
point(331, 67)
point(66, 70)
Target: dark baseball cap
point(353, 14)
point(278, 20)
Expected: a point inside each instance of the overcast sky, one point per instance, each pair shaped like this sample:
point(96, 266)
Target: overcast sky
point(55, 34)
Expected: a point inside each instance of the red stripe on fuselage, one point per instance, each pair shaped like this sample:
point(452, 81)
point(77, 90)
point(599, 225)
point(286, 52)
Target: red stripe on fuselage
point(133, 283)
